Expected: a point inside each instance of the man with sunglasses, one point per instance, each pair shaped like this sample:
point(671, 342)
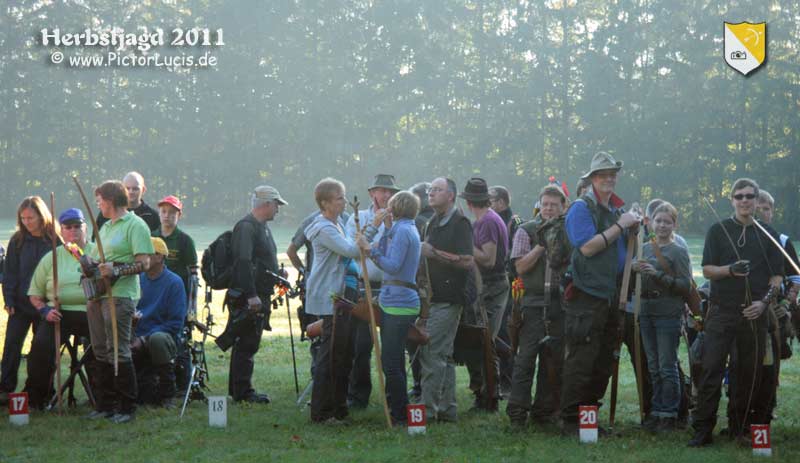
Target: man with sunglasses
point(72, 313)
point(745, 271)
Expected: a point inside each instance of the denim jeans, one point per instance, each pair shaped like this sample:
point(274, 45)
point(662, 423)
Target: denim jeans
point(660, 339)
point(394, 333)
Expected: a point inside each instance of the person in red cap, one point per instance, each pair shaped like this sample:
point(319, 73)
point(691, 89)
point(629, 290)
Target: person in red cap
point(182, 260)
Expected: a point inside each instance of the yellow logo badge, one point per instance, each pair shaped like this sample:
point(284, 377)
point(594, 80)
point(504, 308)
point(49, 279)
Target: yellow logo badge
point(745, 45)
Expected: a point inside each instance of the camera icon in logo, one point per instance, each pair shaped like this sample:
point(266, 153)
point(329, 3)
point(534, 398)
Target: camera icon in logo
point(738, 54)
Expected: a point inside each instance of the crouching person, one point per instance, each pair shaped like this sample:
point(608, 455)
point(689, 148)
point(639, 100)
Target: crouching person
point(160, 315)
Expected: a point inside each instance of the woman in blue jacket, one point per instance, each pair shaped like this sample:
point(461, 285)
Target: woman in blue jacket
point(32, 240)
point(397, 254)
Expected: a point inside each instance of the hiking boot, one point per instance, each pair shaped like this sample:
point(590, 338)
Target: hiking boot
point(650, 424)
point(666, 425)
point(701, 439)
point(255, 398)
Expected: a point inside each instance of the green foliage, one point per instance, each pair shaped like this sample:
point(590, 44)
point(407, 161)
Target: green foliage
point(514, 91)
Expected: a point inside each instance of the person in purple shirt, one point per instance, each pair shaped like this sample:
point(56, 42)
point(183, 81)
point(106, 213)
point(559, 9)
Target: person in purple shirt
point(490, 241)
point(397, 254)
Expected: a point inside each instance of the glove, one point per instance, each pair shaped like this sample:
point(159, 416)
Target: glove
point(44, 311)
point(741, 267)
point(254, 303)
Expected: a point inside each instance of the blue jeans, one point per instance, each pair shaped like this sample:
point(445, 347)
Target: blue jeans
point(394, 333)
point(660, 339)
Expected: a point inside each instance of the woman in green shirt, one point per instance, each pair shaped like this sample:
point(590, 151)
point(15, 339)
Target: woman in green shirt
point(72, 302)
point(127, 247)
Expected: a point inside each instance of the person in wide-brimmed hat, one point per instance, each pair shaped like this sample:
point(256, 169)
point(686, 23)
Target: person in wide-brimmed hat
point(596, 226)
point(490, 240)
point(382, 188)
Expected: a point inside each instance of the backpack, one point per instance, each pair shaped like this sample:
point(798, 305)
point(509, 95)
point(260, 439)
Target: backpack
point(553, 236)
point(216, 265)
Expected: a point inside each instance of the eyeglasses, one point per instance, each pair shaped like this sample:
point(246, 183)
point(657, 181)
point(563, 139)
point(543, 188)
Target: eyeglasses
point(74, 226)
point(741, 196)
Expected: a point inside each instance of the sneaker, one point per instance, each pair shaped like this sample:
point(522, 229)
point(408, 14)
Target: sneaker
point(98, 415)
point(122, 418)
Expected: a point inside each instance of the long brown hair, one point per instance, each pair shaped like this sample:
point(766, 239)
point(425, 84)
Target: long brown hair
point(38, 205)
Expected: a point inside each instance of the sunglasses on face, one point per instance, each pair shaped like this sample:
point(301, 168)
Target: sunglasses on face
point(741, 196)
point(74, 226)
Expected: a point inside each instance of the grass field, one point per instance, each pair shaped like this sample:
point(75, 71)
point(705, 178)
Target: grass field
point(282, 431)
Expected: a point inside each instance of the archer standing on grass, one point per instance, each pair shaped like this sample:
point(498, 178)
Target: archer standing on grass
point(253, 252)
point(31, 241)
point(597, 227)
point(397, 254)
point(490, 241)
point(666, 280)
point(126, 244)
point(72, 300)
point(448, 250)
point(333, 253)
point(529, 259)
point(745, 272)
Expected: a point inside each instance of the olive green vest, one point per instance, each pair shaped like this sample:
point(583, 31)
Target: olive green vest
point(597, 275)
point(533, 280)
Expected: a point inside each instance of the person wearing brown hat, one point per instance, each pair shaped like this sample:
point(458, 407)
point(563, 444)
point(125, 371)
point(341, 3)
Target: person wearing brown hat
point(254, 253)
point(382, 188)
point(181, 260)
point(490, 248)
point(597, 226)
point(160, 313)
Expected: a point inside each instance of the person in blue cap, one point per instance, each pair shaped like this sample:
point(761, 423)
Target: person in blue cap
point(72, 313)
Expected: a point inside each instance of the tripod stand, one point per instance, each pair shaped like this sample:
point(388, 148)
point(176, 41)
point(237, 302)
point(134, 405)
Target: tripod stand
point(199, 369)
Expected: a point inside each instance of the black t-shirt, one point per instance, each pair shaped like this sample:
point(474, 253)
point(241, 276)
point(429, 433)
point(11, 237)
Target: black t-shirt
point(448, 283)
point(254, 252)
point(765, 260)
point(145, 212)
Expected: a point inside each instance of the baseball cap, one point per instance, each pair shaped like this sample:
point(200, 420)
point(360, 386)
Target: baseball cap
point(71, 215)
point(172, 201)
point(159, 246)
point(267, 192)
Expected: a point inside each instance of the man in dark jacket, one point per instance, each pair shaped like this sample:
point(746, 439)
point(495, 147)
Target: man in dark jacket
point(135, 188)
point(254, 253)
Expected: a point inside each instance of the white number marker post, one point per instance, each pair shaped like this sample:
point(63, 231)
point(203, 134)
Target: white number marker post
point(18, 408)
point(761, 441)
point(587, 423)
point(218, 411)
point(416, 418)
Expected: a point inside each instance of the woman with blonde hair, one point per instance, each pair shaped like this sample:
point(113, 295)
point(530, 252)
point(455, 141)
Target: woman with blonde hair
point(666, 280)
point(397, 254)
point(31, 241)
